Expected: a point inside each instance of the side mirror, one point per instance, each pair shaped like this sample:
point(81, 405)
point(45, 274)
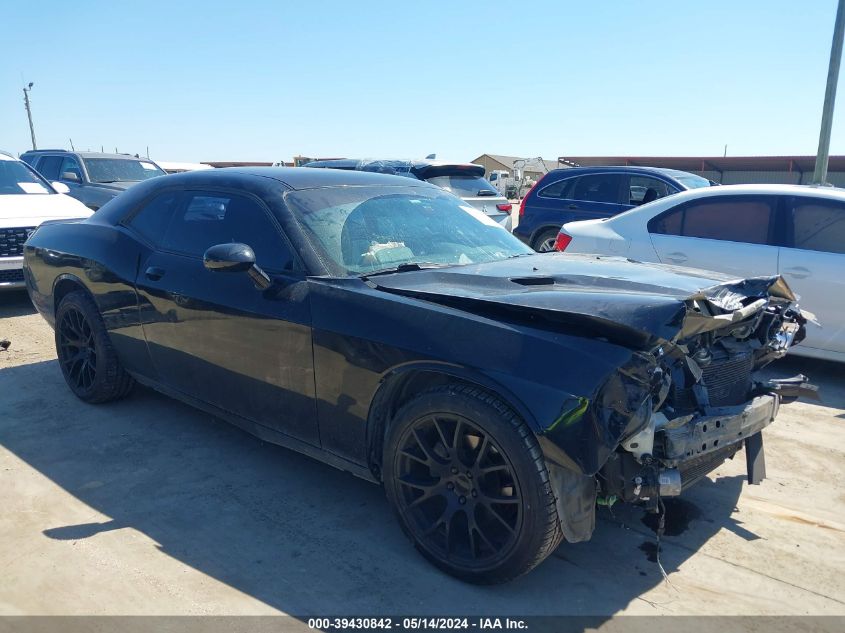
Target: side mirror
point(70, 176)
point(60, 187)
point(229, 258)
point(235, 258)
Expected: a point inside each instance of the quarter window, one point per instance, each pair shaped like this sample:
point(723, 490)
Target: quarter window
point(734, 220)
point(819, 225)
point(151, 221)
point(208, 218)
point(560, 189)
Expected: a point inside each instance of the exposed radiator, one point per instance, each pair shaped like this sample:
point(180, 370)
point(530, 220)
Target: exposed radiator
point(727, 380)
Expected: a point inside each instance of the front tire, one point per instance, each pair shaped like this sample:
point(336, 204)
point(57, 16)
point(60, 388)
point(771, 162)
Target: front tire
point(86, 356)
point(470, 486)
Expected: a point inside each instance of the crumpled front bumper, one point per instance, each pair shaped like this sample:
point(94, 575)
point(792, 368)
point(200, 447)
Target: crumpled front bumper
point(694, 449)
point(683, 450)
point(725, 426)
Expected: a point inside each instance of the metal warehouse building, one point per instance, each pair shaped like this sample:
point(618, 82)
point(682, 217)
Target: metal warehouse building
point(729, 170)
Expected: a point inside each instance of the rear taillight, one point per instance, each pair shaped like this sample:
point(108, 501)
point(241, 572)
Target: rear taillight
point(562, 241)
point(504, 207)
point(522, 204)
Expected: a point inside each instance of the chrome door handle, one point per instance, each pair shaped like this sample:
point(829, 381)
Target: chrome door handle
point(799, 272)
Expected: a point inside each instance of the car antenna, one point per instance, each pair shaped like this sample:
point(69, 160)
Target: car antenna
point(72, 148)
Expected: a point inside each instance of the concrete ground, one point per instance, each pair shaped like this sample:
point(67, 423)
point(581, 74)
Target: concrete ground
point(147, 506)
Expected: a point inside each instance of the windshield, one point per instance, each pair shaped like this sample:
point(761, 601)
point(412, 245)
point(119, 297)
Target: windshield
point(693, 182)
point(120, 170)
point(17, 178)
point(464, 186)
point(362, 230)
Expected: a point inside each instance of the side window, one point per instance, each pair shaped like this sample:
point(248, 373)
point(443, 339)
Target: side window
point(730, 220)
point(152, 220)
point(643, 189)
point(667, 224)
point(560, 189)
point(598, 188)
point(208, 218)
point(744, 219)
point(70, 166)
point(48, 166)
point(819, 225)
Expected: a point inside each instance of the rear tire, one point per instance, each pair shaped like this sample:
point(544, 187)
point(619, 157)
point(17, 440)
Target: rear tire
point(86, 356)
point(469, 485)
point(545, 241)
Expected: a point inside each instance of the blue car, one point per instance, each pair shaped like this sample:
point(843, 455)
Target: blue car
point(586, 193)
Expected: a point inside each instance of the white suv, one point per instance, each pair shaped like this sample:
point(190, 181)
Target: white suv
point(27, 200)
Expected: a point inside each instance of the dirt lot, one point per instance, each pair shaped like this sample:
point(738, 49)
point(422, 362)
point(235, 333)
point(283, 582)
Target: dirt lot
point(149, 507)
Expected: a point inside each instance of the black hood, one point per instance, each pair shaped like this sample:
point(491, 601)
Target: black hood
point(612, 293)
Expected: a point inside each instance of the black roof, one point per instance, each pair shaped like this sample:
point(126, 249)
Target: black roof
point(302, 178)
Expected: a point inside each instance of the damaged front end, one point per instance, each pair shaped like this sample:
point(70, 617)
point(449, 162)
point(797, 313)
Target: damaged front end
point(705, 399)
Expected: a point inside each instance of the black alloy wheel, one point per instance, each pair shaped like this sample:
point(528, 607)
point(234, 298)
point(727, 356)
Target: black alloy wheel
point(458, 491)
point(76, 349)
point(87, 358)
point(470, 485)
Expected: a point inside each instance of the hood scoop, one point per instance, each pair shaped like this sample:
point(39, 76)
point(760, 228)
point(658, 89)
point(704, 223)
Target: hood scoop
point(534, 281)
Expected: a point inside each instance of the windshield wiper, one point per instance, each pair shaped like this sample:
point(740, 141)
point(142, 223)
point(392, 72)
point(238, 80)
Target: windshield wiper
point(404, 268)
point(487, 192)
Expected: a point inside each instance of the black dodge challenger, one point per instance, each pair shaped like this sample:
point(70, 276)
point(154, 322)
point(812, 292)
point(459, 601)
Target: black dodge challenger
point(385, 327)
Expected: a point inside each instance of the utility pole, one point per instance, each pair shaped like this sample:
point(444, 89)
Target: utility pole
point(29, 113)
point(820, 174)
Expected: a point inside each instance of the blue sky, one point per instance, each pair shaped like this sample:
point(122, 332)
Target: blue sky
point(266, 80)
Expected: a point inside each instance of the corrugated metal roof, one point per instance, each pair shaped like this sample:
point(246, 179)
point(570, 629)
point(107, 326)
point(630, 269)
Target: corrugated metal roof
point(713, 163)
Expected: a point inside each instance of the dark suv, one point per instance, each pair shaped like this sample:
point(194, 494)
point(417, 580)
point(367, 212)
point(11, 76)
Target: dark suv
point(585, 193)
point(93, 178)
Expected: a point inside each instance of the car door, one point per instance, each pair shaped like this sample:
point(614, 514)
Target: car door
point(813, 264)
point(213, 335)
point(593, 196)
point(576, 198)
point(728, 234)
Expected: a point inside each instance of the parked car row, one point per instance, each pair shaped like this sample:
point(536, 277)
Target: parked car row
point(586, 193)
point(92, 178)
point(677, 218)
point(464, 180)
point(96, 178)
